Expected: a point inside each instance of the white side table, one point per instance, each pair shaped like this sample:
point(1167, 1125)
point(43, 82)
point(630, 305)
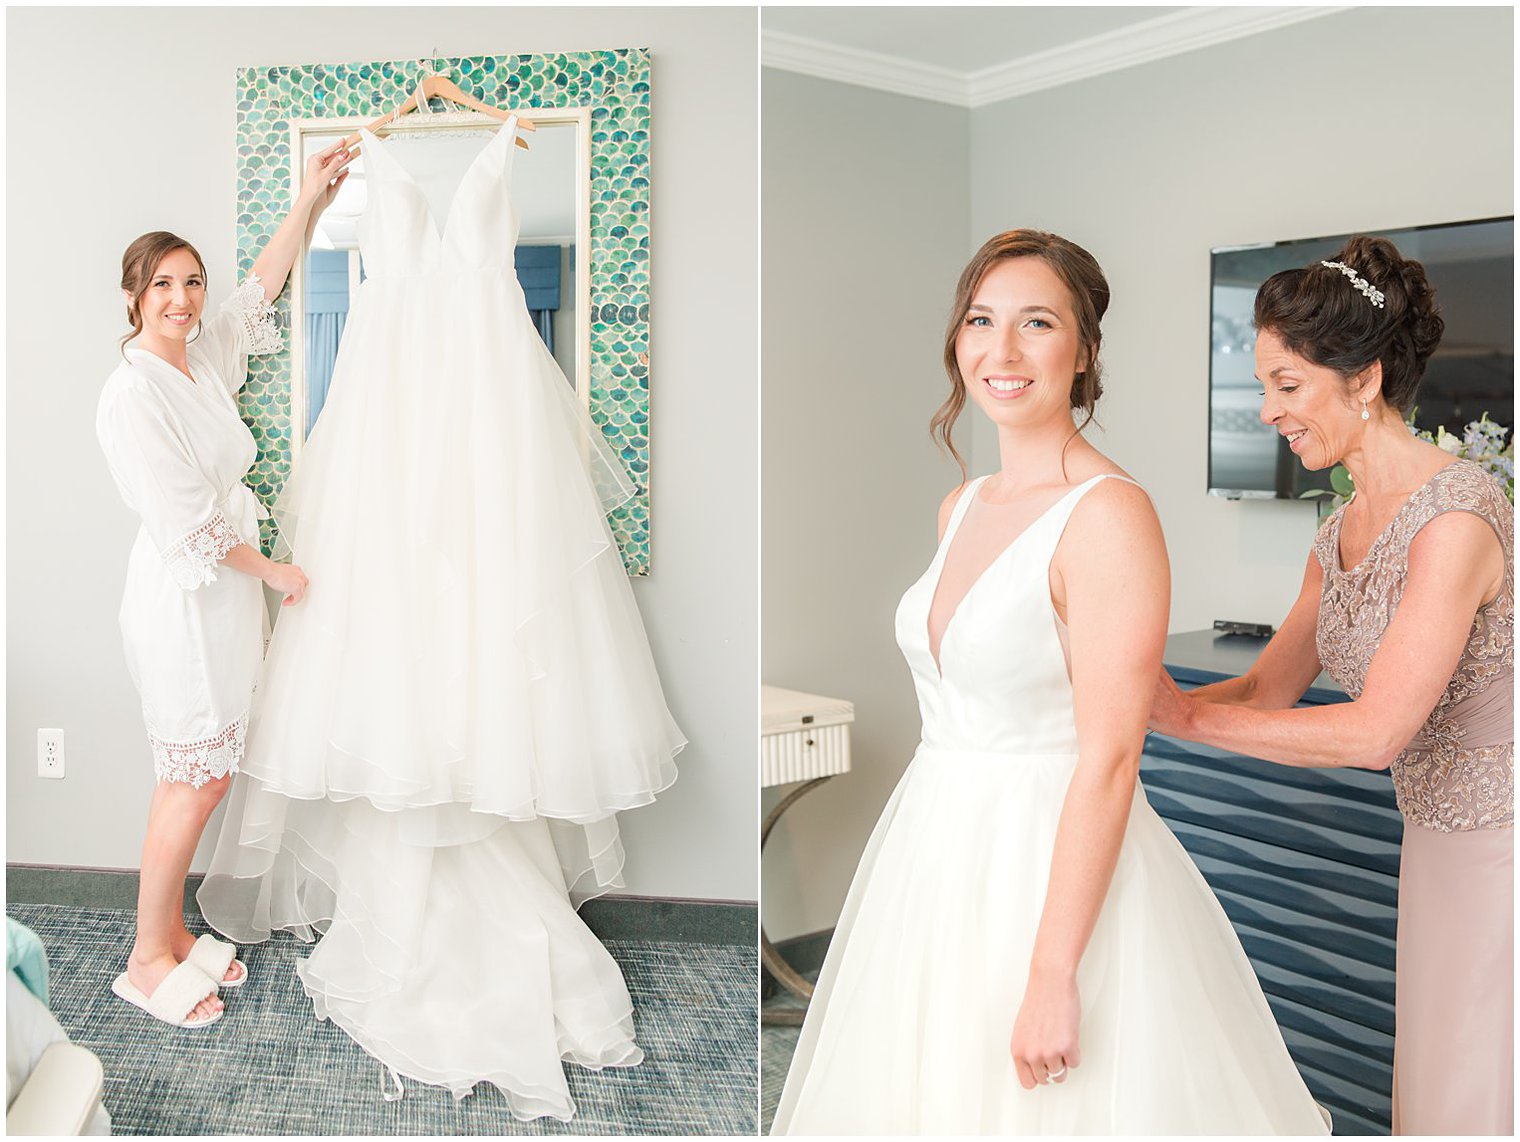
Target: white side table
point(806, 738)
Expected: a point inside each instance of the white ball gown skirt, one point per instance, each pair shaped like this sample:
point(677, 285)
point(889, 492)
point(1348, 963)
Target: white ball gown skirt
point(908, 1031)
point(449, 722)
point(909, 1028)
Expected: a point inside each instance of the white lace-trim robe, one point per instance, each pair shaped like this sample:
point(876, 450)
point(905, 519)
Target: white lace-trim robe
point(178, 451)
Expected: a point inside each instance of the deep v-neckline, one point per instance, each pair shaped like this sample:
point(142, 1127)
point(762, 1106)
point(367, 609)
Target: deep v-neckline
point(379, 146)
point(942, 557)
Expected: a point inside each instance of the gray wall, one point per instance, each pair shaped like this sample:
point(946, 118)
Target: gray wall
point(864, 201)
point(1375, 117)
point(161, 155)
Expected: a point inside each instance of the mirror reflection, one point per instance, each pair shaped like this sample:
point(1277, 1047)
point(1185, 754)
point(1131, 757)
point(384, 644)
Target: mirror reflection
point(549, 191)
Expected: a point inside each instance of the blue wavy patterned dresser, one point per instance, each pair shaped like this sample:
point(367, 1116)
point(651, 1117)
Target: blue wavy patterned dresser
point(1306, 863)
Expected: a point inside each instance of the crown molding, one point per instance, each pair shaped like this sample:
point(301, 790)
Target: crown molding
point(1137, 43)
point(862, 68)
point(1141, 42)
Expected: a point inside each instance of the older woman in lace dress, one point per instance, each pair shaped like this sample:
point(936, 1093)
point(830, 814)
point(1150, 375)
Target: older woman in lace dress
point(192, 612)
point(1408, 603)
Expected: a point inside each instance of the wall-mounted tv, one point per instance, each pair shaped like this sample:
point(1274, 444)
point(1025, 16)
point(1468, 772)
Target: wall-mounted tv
point(1471, 265)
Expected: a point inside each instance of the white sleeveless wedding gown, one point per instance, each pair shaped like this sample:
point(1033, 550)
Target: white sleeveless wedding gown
point(908, 1029)
point(449, 721)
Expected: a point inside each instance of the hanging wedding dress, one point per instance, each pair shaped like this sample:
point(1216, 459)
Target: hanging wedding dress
point(908, 1031)
point(450, 720)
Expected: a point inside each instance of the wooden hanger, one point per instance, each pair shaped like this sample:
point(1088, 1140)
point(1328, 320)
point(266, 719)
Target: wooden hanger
point(444, 88)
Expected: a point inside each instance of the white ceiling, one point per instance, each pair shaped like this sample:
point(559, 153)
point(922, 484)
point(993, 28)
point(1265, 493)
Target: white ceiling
point(975, 56)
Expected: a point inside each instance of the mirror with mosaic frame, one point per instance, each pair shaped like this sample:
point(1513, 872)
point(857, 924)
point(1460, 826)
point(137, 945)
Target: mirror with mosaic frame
point(587, 168)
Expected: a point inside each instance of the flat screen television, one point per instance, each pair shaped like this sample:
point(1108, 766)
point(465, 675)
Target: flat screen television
point(1471, 265)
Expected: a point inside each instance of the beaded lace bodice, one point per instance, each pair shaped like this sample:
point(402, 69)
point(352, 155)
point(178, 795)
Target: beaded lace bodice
point(1457, 772)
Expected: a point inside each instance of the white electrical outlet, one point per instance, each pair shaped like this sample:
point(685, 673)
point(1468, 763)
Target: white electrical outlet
point(50, 753)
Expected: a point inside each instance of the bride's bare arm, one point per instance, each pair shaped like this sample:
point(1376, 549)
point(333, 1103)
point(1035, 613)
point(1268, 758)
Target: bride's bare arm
point(286, 578)
point(325, 173)
point(1111, 570)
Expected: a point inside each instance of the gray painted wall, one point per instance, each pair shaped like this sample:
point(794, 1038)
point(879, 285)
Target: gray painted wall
point(81, 186)
point(865, 200)
point(1371, 118)
point(1375, 117)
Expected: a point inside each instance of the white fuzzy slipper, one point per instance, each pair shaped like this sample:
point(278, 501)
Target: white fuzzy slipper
point(172, 1000)
point(213, 957)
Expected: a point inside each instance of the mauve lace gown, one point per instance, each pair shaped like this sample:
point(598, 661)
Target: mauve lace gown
point(1454, 1042)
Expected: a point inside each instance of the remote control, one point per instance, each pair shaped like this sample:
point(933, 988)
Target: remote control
point(1254, 630)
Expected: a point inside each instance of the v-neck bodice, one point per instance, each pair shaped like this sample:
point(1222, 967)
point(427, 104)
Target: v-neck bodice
point(1001, 684)
point(399, 233)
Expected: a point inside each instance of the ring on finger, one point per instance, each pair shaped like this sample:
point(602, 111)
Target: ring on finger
point(1053, 1075)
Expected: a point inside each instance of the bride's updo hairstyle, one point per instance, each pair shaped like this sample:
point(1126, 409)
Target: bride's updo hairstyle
point(1083, 277)
point(1383, 309)
point(140, 263)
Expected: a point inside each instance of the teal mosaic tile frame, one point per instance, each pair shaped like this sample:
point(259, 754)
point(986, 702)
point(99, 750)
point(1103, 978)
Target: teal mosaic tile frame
point(615, 85)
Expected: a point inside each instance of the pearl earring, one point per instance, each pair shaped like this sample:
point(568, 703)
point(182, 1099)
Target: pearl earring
point(1365, 414)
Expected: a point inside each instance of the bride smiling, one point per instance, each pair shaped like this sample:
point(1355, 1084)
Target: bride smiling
point(1026, 948)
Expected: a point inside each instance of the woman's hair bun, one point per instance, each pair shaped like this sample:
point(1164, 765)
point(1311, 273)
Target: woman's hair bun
point(1323, 315)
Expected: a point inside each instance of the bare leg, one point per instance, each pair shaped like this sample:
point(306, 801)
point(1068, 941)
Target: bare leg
point(176, 818)
point(181, 941)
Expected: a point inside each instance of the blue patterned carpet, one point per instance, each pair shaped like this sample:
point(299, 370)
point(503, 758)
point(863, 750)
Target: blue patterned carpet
point(268, 1067)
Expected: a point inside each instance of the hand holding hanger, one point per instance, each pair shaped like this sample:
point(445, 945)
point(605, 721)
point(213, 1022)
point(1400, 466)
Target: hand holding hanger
point(326, 171)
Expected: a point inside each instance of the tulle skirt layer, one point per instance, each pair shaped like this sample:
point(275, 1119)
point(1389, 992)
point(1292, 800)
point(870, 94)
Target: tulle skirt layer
point(450, 720)
point(470, 636)
point(909, 1028)
point(452, 964)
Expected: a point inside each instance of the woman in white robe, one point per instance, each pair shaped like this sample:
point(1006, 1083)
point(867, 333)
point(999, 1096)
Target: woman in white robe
point(192, 614)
